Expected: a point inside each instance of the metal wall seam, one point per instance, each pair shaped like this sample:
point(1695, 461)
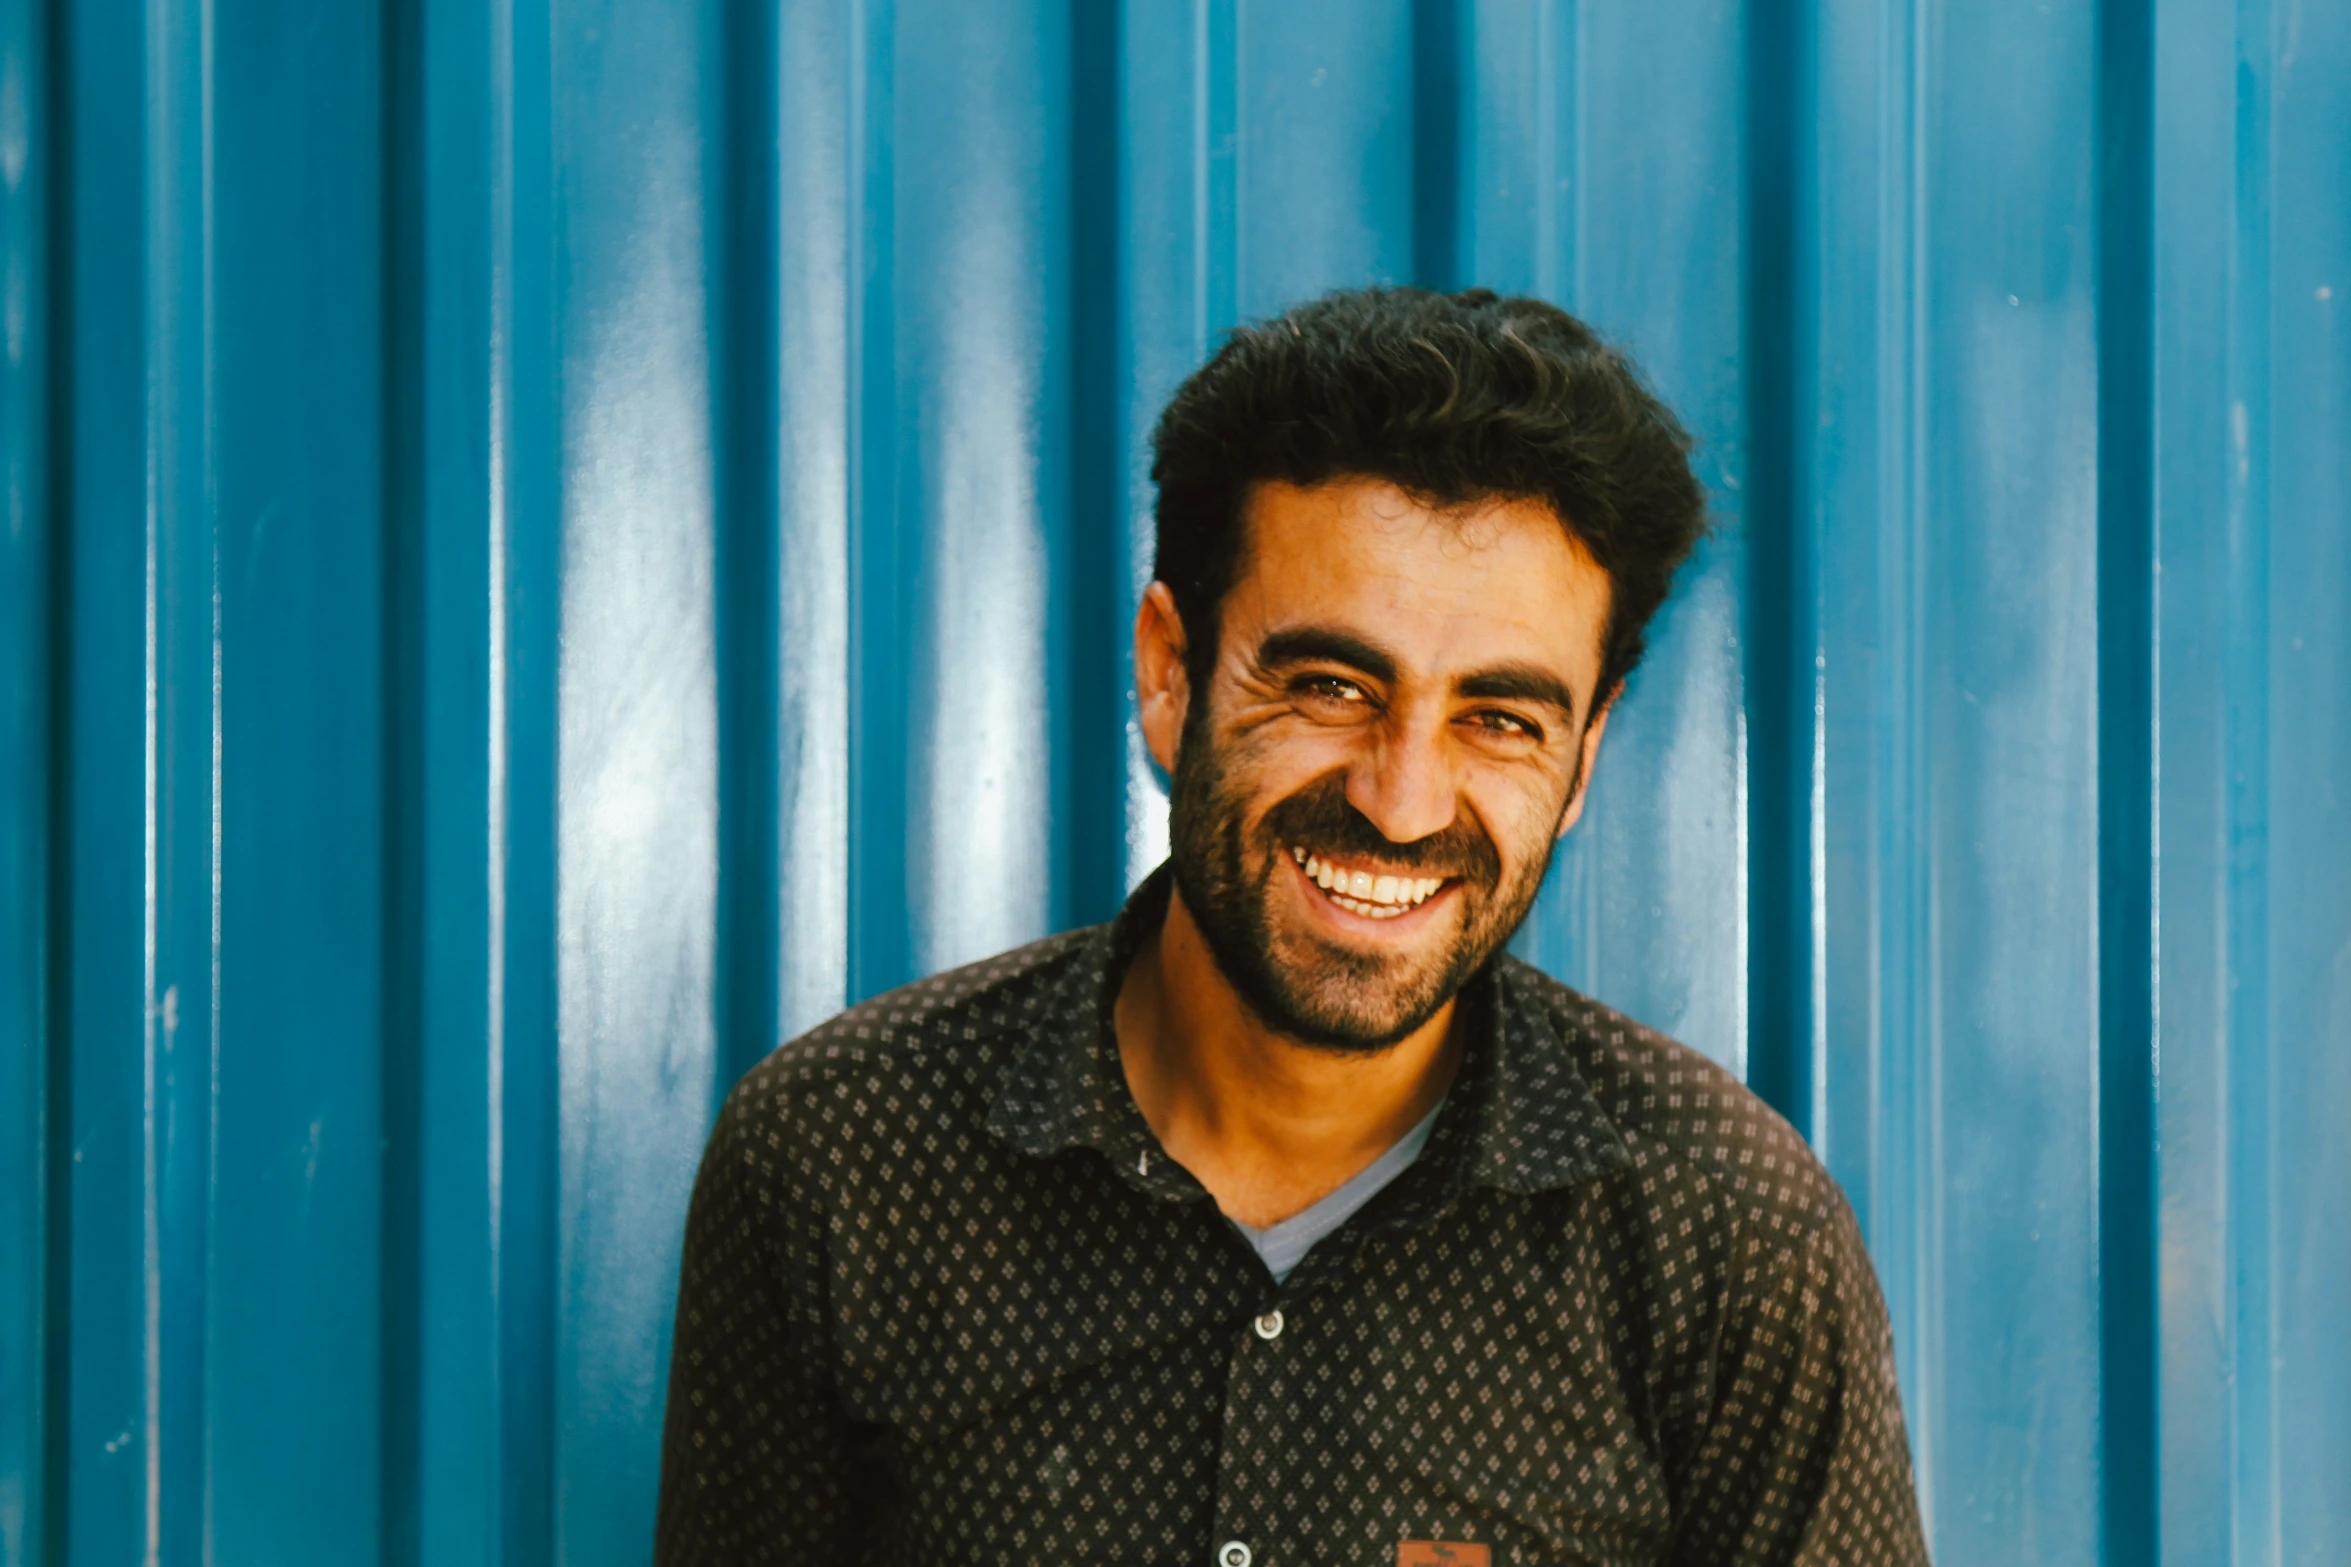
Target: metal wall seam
point(741, 305)
point(2129, 1473)
point(1440, 30)
point(880, 935)
point(1093, 637)
point(1780, 645)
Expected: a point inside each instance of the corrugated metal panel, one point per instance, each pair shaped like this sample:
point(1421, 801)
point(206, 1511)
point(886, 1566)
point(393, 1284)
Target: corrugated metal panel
point(552, 544)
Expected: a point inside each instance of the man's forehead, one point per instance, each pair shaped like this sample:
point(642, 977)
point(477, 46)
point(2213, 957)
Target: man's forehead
point(1355, 512)
point(1502, 580)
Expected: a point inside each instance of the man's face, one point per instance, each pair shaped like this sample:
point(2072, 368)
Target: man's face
point(1395, 732)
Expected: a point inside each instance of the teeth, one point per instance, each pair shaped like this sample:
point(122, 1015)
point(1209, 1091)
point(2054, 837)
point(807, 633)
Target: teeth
point(1377, 911)
point(1362, 892)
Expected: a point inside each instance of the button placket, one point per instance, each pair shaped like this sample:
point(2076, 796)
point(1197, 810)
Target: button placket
point(1256, 1448)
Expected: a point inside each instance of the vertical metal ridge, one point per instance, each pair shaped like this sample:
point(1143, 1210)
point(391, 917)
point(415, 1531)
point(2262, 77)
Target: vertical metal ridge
point(50, 345)
point(1555, 164)
point(182, 705)
point(102, 486)
point(1437, 216)
point(2259, 1447)
point(31, 1211)
point(817, 206)
point(152, 1004)
point(1217, 239)
point(2127, 1075)
point(523, 602)
point(206, 1526)
point(1090, 726)
point(742, 327)
point(1781, 568)
point(1586, 896)
point(401, 1365)
point(1909, 1242)
point(881, 945)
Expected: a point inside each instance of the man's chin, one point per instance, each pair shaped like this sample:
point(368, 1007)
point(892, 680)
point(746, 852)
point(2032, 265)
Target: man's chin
point(1359, 1018)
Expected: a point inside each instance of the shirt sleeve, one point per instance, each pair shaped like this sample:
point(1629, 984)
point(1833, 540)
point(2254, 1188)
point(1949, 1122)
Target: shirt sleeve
point(1804, 1461)
point(756, 1457)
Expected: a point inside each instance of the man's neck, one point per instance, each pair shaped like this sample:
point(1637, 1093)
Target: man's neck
point(1268, 1125)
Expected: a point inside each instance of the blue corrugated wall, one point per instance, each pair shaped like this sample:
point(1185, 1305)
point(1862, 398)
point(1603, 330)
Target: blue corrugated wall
point(551, 543)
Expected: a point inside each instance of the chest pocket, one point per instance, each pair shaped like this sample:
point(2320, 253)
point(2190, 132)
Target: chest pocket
point(1483, 1389)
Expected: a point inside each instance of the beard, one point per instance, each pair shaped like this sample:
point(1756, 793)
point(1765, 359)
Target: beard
point(1317, 992)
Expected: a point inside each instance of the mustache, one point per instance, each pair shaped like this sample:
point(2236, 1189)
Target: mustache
point(1318, 817)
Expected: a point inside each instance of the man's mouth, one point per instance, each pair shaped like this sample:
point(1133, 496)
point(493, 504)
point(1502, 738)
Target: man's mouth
point(1364, 890)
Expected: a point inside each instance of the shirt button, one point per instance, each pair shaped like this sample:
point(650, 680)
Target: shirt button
point(1232, 1554)
point(1269, 1327)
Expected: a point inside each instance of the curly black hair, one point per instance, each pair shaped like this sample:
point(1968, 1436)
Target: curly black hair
point(1454, 399)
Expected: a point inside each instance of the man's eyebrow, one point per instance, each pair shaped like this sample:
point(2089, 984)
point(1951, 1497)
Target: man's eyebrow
point(1498, 683)
point(1326, 645)
point(1518, 683)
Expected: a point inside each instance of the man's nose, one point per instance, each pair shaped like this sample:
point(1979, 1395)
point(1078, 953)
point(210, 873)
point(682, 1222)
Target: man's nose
point(1404, 784)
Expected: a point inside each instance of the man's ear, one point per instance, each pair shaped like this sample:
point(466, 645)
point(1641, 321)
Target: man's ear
point(1593, 729)
point(1163, 686)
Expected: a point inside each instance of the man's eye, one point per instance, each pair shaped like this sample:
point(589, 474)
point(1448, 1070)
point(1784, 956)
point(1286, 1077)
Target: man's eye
point(1507, 724)
point(1330, 688)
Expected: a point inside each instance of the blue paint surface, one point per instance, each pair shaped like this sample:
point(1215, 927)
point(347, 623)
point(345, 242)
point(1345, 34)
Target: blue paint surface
point(551, 544)
point(29, 1138)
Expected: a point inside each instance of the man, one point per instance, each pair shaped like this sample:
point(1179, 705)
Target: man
point(1285, 1219)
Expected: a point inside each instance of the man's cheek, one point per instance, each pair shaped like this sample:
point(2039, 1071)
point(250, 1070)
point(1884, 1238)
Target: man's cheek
point(1263, 776)
point(1283, 758)
point(1528, 807)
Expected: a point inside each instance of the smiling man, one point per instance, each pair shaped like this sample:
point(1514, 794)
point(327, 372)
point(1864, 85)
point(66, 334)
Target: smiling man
point(1286, 1219)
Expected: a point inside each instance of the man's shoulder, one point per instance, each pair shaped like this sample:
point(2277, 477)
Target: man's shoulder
point(1685, 1116)
point(959, 1024)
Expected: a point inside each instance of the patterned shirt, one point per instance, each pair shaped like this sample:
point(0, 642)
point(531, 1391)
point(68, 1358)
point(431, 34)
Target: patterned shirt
point(945, 1298)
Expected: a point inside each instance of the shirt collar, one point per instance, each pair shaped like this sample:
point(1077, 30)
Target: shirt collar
point(1520, 1116)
